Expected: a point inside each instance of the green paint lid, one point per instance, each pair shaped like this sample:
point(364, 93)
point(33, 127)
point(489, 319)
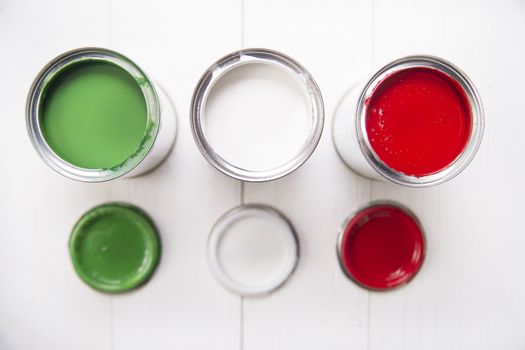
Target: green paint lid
point(114, 247)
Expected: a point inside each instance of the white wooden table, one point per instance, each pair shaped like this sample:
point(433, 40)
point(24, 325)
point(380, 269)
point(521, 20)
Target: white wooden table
point(469, 293)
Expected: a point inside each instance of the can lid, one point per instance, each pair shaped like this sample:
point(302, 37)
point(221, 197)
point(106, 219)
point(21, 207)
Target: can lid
point(114, 247)
point(381, 247)
point(252, 250)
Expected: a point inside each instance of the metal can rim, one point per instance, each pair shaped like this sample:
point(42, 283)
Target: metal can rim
point(477, 114)
point(56, 67)
point(250, 56)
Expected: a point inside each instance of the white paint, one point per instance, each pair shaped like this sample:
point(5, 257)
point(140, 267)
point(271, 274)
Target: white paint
point(252, 250)
point(257, 117)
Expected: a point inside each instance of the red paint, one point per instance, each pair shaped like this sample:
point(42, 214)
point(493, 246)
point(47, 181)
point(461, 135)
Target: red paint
point(382, 247)
point(418, 121)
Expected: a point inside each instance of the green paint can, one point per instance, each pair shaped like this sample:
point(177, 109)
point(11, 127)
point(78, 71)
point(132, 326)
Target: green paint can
point(94, 115)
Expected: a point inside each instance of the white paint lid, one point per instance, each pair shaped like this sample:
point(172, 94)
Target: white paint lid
point(252, 250)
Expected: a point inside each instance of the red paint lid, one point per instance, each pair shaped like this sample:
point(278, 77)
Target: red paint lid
point(382, 247)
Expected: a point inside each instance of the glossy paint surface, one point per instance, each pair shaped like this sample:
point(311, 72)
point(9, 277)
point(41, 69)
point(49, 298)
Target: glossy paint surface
point(418, 121)
point(382, 247)
point(114, 247)
point(94, 115)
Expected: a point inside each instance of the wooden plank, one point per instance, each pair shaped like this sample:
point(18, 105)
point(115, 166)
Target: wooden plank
point(43, 304)
point(318, 307)
point(465, 295)
point(182, 306)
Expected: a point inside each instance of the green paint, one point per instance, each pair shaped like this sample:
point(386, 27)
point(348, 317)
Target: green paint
point(94, 115)
point(114, 247)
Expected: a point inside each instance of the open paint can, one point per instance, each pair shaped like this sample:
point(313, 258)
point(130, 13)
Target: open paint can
point(94, 115)
point(257, 115)
point(417, 122)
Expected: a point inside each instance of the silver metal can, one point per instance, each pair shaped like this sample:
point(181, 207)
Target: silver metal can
point(351, 138)
point(161, 119)
point(256, 56)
